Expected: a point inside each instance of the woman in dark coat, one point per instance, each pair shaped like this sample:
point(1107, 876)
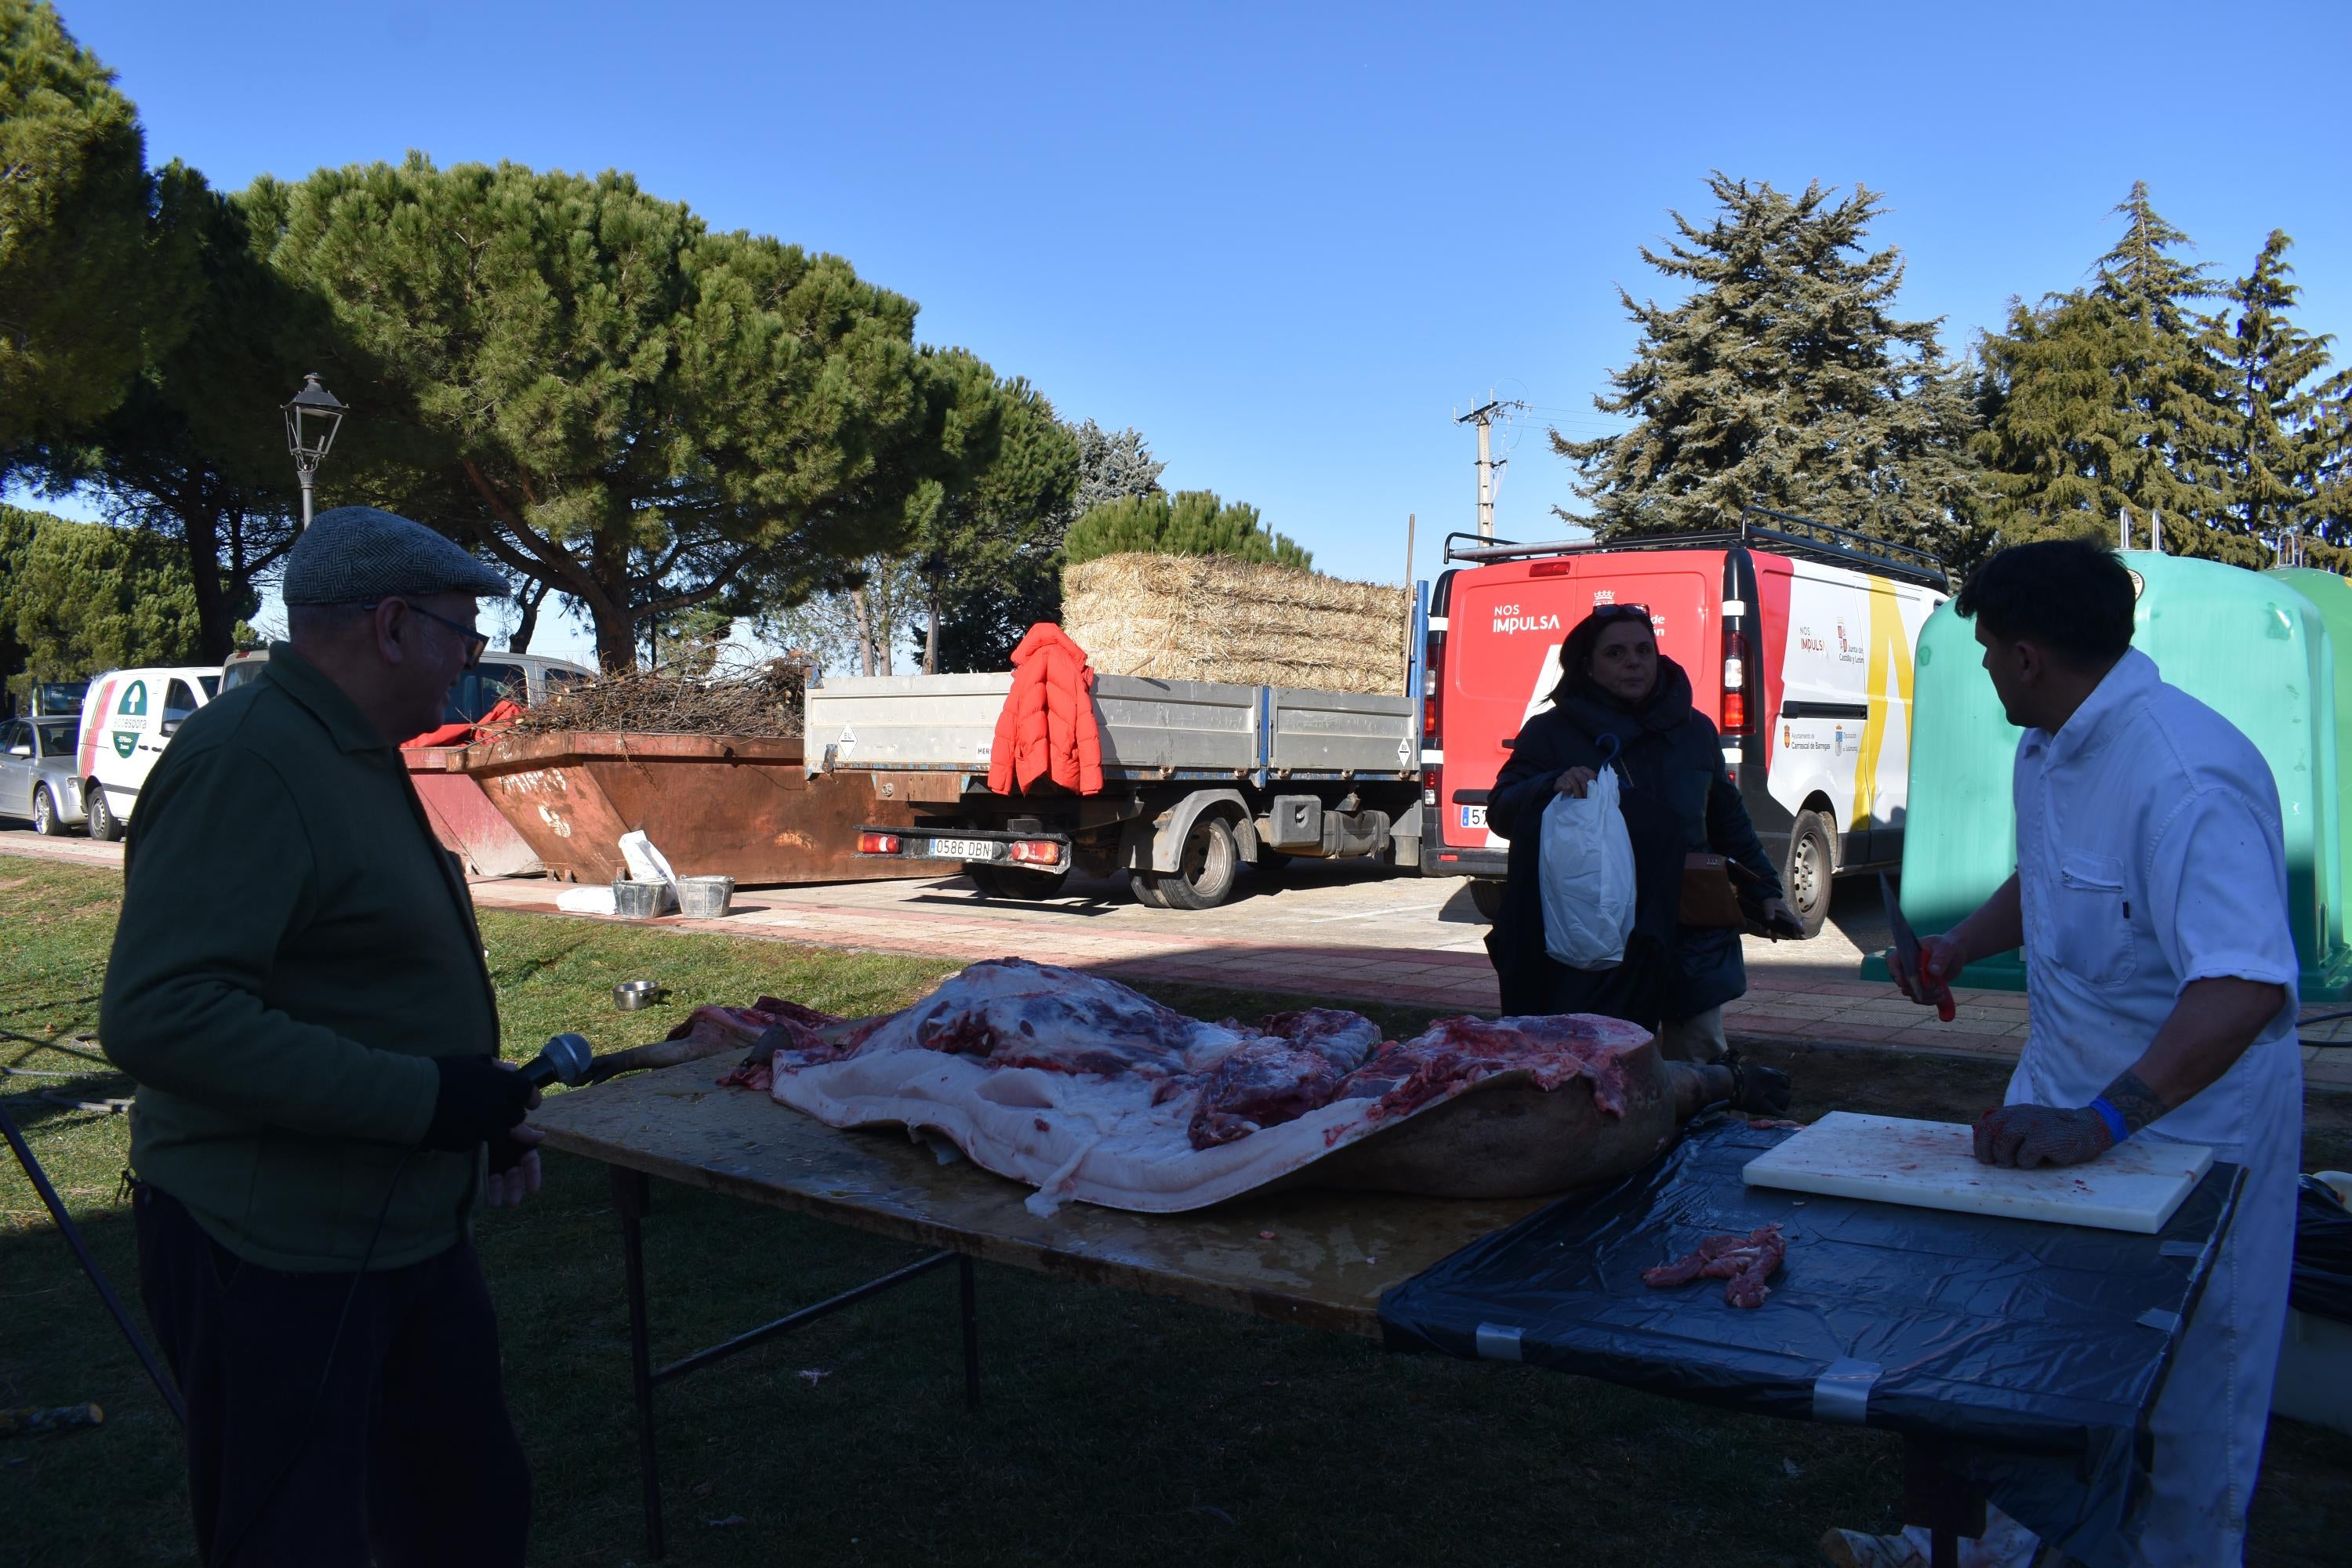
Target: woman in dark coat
point(1620, 698)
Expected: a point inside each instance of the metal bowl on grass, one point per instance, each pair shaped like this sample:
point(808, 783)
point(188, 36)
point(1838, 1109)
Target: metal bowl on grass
point(630, 995)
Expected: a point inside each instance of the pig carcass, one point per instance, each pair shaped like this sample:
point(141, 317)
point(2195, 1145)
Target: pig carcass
point(1089, 1091)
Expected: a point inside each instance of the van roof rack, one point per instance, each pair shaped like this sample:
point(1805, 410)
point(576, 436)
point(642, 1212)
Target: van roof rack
point(1786, 535)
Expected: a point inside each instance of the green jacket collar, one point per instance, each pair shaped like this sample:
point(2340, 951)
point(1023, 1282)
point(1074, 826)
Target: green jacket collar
point(309, 685)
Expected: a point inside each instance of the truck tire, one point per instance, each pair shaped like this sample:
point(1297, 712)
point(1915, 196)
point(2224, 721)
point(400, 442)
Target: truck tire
point(1810, 867)
point(1015, 881)
point(1205, 872)
point(104, 825)
point(1146, 892)
point(1488, 896)
point(45, 821)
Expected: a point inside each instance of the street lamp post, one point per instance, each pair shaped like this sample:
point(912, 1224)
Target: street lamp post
point(312, 420)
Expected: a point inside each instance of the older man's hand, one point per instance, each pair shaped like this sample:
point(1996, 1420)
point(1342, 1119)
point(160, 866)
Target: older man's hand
point(514, 1168)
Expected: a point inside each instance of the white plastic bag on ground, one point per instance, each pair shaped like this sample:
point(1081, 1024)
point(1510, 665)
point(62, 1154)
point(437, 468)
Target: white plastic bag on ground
point(585, 901)
point(1587, 877)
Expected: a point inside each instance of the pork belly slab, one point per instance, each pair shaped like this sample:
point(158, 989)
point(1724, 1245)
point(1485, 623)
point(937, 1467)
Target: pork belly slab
point(1091, 1092)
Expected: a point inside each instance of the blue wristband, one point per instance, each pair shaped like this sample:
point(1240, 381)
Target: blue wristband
point(2117, 1127)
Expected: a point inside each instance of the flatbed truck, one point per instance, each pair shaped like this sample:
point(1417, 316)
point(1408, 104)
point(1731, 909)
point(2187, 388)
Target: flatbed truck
point(1200, 778)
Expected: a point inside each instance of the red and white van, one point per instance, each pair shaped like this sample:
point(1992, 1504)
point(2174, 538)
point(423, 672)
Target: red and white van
point(1798, 638)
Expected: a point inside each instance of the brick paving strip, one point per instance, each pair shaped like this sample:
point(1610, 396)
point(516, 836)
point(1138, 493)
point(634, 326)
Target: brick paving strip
point(1796, 993)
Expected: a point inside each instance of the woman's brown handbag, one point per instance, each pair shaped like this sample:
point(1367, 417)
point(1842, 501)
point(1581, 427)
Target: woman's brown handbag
point(1708, 897)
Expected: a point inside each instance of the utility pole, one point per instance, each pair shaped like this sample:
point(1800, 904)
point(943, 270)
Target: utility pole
point(1483, 416)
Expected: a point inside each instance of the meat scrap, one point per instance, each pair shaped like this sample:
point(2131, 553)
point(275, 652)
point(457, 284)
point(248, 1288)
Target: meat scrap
point(1742, 1262)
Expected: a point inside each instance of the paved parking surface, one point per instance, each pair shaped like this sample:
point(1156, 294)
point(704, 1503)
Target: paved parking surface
point(1342, 930)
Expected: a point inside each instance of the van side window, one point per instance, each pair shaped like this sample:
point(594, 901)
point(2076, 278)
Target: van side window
point(178, 701)
point(211, 683)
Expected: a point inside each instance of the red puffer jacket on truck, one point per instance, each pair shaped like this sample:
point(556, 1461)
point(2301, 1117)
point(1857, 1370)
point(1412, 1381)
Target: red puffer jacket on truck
point(1047, 728)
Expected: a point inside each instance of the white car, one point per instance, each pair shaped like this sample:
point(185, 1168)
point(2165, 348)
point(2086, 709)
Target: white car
point(127, 720)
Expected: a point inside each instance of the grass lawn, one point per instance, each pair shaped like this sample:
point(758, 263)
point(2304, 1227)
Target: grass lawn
point(1116, 1429)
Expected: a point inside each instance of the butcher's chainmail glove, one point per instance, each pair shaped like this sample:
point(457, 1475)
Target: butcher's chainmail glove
point(477, 1101)
point(2031, 1135)
point(1758, 1090)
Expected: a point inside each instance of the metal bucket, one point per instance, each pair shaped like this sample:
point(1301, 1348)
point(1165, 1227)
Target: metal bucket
point(705, 898)
point(639, 901)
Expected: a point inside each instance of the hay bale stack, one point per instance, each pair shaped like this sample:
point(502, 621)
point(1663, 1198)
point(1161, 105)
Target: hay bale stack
point(1210, 617)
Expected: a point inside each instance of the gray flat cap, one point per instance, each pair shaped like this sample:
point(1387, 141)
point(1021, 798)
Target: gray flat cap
point(357, 554)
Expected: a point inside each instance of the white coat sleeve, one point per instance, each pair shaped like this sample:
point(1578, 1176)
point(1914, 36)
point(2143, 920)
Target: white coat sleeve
point(2217, 887)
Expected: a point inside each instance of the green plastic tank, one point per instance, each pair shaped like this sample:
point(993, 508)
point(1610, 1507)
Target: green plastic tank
point(2332, 597)
point(2255, 647)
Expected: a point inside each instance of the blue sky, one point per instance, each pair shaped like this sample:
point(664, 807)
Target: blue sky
point(1289, 242)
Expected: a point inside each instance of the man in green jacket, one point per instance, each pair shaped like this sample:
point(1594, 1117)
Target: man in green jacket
point(299, 988)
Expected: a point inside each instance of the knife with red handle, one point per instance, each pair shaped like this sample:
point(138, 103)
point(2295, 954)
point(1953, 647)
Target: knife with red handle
point(1907, 954)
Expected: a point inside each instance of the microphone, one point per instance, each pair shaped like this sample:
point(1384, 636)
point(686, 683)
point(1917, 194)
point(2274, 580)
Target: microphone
point(564, 1059)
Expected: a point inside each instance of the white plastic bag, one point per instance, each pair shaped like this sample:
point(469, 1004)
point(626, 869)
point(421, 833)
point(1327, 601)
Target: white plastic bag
point(1587, 877)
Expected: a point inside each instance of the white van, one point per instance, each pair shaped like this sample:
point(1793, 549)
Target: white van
point(127, 720)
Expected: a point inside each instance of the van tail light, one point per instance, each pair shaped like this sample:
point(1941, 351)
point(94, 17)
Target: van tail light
point(1036, 852)
point(877, 844)
point(1432, 688)
point(1735, 684)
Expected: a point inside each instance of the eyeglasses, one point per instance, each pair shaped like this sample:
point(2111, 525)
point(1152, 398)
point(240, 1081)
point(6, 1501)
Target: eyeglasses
point(476, 643)
point(1622, 612)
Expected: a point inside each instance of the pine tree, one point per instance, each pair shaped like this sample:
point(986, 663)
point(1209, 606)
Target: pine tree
point(989, 553)
point(2282, 432)
point(80, 598)
point(194, 453)
point(2117, 397)
point(93, 274)
point(1785, 379)
point(609, 397)
point(1194, 522)
point(1112, 466)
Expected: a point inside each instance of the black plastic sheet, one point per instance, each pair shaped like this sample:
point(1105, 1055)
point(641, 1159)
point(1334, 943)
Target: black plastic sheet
point(2323, 1254)
point(2026, 1356)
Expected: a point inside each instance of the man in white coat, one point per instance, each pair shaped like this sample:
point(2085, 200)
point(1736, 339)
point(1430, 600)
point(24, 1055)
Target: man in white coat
point(2150, 898)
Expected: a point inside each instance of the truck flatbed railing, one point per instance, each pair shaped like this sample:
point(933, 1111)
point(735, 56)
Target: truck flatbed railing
point(1786, 535)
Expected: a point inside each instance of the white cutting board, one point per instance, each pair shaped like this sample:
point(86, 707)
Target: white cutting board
point(1933, 1165)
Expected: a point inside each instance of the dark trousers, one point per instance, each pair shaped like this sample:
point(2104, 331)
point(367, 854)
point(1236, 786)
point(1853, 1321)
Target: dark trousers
point(408, 1456)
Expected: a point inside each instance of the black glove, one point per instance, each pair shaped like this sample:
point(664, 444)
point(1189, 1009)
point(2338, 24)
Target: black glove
point(506, 1154)
point(477, 1101)
point(2031, 1135)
